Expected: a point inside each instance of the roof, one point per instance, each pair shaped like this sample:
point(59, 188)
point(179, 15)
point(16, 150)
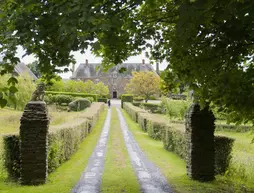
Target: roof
point(89, 70)
point(22, 69)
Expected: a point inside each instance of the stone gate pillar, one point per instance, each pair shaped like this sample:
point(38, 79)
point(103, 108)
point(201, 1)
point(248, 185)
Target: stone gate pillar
point(200, 143)
point(34, 143)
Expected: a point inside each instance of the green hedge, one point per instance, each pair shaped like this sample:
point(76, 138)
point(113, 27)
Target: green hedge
point(133, 111)
point(174, 138)
point(12, 155)
point(79, 104)
point(126, 98)
point(74, 94)
point(104, 100)
point(63, 141)
point(153, 108)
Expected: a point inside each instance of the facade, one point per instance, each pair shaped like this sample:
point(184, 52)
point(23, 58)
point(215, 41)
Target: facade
point(115, 81)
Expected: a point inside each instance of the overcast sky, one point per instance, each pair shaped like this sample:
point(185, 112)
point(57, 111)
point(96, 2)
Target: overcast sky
point(80, 58)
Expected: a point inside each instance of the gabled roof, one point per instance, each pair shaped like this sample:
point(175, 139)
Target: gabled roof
point(22, 69)
point(89, 70)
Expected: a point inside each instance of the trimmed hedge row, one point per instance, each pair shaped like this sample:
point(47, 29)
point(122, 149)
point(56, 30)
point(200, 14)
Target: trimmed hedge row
point(104, 100)
point(174, 137)
point(126, 98)
point(74, 94)
point(63, 141)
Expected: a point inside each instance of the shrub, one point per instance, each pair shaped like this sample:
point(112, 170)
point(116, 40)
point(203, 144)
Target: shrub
point(91, 99)
point(12, 155)
point(223, 148)
point(63, 141)
point(139, 99)
point(126, 98)
point(153, 108)
point(155, 129)
point(104, 100)
point(137, 104)
point(62, 99)
point(79, 104)
point(175, 109)
point(174, 137)
point(74, 94)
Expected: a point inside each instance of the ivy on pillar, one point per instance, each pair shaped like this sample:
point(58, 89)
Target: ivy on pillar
point(34, 141)
point(200, 128)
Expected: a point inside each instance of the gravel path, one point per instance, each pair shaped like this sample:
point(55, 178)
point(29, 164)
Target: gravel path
point(90, 180)
point(149, 176)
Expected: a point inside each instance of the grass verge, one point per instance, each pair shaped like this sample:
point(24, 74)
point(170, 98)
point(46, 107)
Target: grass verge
point(68, 174)
point(118, 175)
point(174, 168)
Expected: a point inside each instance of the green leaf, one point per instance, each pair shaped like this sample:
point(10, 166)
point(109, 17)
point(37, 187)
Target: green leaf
point(122, 70)
point(12, 80)
point(13, 89)
point(3, 102)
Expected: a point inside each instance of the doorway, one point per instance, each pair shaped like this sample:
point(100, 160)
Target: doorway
point(114, 94)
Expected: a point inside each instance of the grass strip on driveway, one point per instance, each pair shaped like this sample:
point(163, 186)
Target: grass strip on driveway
point(118, 176)
point(174, 168)
point(67, 175)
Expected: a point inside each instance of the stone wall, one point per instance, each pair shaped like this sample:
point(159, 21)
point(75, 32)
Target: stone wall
point(200, 143)
point(34, 143)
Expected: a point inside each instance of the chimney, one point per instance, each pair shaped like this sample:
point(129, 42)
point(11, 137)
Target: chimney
point(86, 61)
point(143, 61)
point(157, 68)
point(73, 69)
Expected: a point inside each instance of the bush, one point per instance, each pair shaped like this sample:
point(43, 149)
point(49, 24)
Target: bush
point(153, 108)
point(137, 104)
point(104, 100)
point(126, 98)
point(12, 155)
point(175, 109)
point(62, 99)
point(91, 99)
point(79, 104)
point(223, 148)
point(63, 141)
point(139, 99)
point(74, 94)
point(174, 137)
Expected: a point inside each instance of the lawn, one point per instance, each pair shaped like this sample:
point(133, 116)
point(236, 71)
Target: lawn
point(118, 175)
point(67, 175)
point(174, 168)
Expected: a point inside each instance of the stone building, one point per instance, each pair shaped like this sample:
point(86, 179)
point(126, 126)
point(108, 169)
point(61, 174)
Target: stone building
point(115, 81)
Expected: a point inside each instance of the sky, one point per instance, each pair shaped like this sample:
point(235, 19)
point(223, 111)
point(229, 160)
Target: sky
point(81, 58)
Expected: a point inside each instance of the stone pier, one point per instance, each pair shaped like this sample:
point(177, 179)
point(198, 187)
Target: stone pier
point(34, 143)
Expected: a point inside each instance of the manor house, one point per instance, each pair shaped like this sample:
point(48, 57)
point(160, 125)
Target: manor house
point(115, 81)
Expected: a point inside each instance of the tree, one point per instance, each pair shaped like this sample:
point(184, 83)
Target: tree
point(26, 86)
point(144, 84)
point(101, 89)
point(34, 68)
point(208, 43)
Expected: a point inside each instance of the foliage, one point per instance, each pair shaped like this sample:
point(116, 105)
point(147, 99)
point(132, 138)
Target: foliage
point(63, 99)
point(79, 104)
point(174, 138)
point(153, 108)
point(104, 100)
point(175, 109)
point(126, 98)
point(79, 86)
point(18, 100)
point(91, 99)
point(138, 98)
point(34, 68)
point(64, 141)
point(74, 94)
point(144, 84)
point(206, 42)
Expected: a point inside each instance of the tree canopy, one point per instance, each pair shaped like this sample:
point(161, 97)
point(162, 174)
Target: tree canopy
point(208, 43)
point(145, 84)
